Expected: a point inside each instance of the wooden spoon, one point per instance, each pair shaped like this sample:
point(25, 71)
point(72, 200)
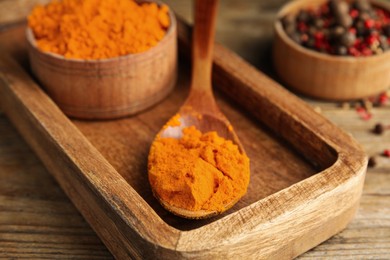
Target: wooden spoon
point(200, 109)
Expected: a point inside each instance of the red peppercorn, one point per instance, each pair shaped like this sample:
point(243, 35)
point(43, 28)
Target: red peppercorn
point(386, 153)
point(372, 39)
point(354, 13)
point(380, 13)
point(327, 47)
point(318, 45)
point(304, 38)
point(366, 52)
point(378, 25)
point(357, 43)
point(352, 30)
point(302, 27)
point(363, 113)
point(353, 51)
point(369, 23)
point(319, 36)
point(383, 99)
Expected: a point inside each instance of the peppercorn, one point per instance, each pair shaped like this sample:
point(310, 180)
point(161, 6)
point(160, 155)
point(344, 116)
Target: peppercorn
point(383, 98)
point(361, 30)
point(372, 162)
point(379, 129)
point(347, 39)
point(354, 13)
point(336, 34)
point(386, 29)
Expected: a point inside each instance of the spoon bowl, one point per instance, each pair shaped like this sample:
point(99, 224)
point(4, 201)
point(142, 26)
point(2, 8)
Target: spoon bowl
point(199, 214)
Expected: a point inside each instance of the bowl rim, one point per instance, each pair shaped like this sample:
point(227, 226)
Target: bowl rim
point(279, 30)
point(170, 30)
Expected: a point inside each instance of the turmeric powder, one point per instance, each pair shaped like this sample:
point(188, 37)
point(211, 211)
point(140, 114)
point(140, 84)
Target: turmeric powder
point(198, 171)
point(98, 29)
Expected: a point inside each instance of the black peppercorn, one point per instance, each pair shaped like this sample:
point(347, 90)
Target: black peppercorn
point(310, 43)
point(386, 30)
point(372, 162)
point(380, 128)
point(336, 33)
point(361, 30)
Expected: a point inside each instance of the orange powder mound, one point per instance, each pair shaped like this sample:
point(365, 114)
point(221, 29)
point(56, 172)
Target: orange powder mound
point(198, 171)
point(98, 29)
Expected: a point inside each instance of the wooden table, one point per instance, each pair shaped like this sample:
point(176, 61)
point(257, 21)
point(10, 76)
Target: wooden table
point(38, 221)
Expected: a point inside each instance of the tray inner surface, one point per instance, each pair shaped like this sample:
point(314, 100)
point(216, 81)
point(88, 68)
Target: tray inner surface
point(125, 143)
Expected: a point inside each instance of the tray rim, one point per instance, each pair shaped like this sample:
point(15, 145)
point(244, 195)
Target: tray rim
point(179, 242)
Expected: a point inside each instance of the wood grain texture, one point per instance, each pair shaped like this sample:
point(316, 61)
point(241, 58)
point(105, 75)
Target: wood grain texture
point(366, 236)
point(37, 220)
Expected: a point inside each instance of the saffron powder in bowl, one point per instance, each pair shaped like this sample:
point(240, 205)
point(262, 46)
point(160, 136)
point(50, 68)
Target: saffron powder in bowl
point(103, 59)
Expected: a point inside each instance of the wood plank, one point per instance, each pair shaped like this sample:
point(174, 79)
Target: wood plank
point(37, 219)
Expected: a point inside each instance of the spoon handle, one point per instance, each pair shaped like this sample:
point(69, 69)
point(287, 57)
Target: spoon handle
point(203, 43)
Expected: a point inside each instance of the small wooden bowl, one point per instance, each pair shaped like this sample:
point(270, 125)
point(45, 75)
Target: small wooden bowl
point(327, 76)
point(108, 88)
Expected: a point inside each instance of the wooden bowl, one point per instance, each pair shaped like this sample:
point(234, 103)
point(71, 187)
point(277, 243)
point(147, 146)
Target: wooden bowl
point(108, 88)
point(327, 76)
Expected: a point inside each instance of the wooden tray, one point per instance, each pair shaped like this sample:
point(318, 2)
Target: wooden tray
point(306, 174)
